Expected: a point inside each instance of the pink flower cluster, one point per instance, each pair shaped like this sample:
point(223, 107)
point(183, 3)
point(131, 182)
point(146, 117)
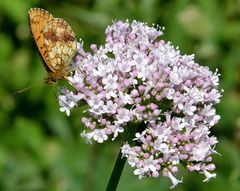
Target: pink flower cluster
point(137, 77)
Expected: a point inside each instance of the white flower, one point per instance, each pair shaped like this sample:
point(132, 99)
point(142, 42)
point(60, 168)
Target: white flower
point(131, 154)
point(209, 114)
point(111, 94)
point(125, 98)
point(87, 136)
point(189, 108)
point(96, 104)
point(208, 175)
point(169, 93)
point(149, 165)
point(77, 78)
point(201, 151)
point(100, 135)
point(68, 101)
point(65, 105)
point(162, 147)
point(110, 107)
point(128, 151)
point(214, 95)
point(201, 131)
point(101, 70)
point(178, 123)
point(166, 54)
point(141, 65)
point(195, 94)
point(110, 82)
point(214, 79)
point(174, 180)
point(116, 128)
point(125, 66)
point(214, 120)
point(139, 172)
point(188, 59)
point(123, 115)
point(208, 111)
point(175, 76)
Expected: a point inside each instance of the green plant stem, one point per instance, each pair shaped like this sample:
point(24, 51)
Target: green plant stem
point(120, 162)
point(116, 173)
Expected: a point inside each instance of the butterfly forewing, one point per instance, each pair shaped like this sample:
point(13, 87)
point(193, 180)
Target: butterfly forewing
point(38, 19)
point(60, 42)
point(55, 41)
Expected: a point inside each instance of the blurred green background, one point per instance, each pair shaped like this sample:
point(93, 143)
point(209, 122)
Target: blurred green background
point(41, 148)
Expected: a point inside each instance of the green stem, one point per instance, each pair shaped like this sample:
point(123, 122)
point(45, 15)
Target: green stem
point(116, 173)
point(120, 162)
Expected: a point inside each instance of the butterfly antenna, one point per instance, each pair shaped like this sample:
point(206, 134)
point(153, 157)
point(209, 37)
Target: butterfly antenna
point(27, 88)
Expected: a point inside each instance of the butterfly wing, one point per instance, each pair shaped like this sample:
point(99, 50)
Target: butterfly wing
point(38, 18)
point(55, 41)
point(61, 45)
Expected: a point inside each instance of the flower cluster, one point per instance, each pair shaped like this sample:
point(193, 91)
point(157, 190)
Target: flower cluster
point(137, 77)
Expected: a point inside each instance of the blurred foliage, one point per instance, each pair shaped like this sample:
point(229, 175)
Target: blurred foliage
point(41, 148)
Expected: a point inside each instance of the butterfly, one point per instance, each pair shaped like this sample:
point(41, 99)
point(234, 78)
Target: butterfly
point(55, 41)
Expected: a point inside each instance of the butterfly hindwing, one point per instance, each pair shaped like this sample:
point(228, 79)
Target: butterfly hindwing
point(60, 43)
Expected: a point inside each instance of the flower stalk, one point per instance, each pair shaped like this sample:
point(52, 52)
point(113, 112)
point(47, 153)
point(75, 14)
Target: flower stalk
point(116, 173)
point(129, 134)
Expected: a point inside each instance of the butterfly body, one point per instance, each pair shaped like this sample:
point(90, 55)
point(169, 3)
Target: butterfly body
point(55, 41)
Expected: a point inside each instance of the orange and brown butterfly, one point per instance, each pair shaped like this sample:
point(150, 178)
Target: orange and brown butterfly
point(55, 42)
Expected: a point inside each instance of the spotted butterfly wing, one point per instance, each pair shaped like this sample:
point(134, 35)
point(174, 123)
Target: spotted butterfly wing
point(55, 41)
